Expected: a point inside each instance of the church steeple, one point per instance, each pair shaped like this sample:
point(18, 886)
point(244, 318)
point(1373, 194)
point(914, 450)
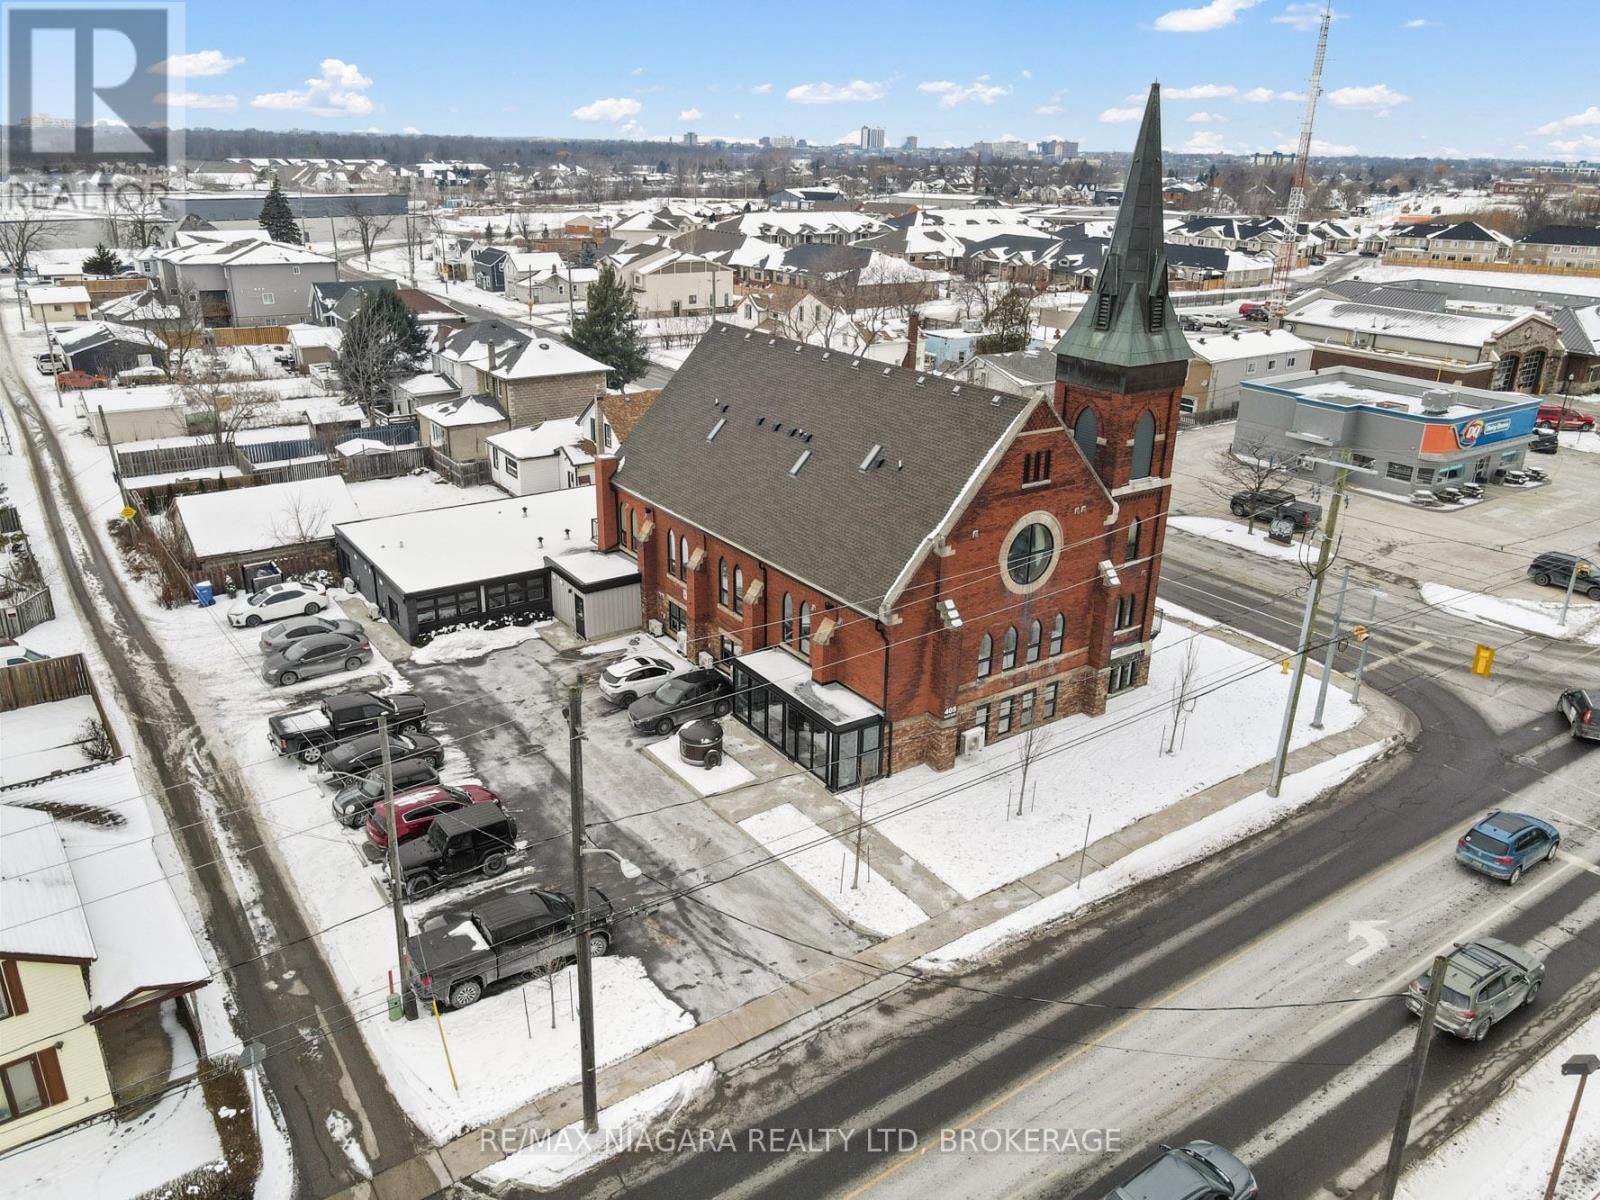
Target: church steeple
point(1126, 338)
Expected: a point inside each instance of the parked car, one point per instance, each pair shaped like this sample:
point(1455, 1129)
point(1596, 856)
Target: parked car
point(1198, 1171)
point(1262, 504)
point(1247, 307)
point(48, 364)
point(457, 953)
point(80, 381)
point(413, 814)
point(1551, 415)
point(694, 694)
point(1504, 844)
point(365, 753)
point(1544, 443)
point(309, 732)
point(478, 839)
point(281, 635)
point(276, 602)
point(12, 654)
point(1553, 568)
point(626, 680)
point(354, 800)
point(1577, 705)
point(1258, 313)
point(1485, 981)
point(321, 654)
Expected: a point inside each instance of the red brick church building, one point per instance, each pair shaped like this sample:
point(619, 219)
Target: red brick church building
point(884, 559)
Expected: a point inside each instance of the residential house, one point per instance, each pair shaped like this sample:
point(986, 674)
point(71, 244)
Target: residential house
point(1029, 373)
point(654, 224)
point(60, 304)
point(335, 302)
point(544, 458)
point(1224, 361)
point(142, 310)
point(455, 436)
point(489, 268)
point(1446, 242)
point(613, 415)
point(797, 517)
point(406, 395)
point(805, 228)
point(800, 198)
point(105, 347)
point(667, 282)
point(571, 284)
point(1569, 247)
point(526, 270)
point(242, 279)
point(314, 345)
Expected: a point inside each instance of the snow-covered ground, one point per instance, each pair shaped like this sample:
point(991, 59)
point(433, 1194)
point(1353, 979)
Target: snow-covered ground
point(1586, 440)
point(458, 645)
point(1507, 1151)
point(712, 781)
point(1532, 616)
point(1233, 533)
point(1095, 775)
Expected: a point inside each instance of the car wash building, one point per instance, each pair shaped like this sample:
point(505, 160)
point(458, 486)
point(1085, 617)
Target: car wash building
point(1407, 433)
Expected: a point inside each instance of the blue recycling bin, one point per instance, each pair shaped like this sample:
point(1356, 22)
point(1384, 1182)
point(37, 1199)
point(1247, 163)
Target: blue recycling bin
point(205, 593)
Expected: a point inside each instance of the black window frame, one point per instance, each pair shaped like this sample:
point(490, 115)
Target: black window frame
point(1008, 649)
point(986, 656)
point(1058, 633)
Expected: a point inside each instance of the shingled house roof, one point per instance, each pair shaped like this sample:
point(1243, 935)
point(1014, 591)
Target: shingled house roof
point(836, 470)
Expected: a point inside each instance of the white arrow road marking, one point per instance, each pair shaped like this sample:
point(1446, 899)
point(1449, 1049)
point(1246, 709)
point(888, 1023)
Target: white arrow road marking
point(1371, 934)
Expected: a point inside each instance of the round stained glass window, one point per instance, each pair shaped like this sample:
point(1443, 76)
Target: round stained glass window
point(1030, 554)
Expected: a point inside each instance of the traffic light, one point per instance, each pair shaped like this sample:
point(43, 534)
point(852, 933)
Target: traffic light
point(1360, 632)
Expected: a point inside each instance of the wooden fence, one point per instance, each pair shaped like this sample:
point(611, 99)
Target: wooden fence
point(1515, 268)
point(20, 613)
point(44, 682)
point(172, 460)
point(255, 335)
point(381, 464)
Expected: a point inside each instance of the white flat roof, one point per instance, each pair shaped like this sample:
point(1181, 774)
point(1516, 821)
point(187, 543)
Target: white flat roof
point(832, 701)
point(543, 439)
point(1230, 347)
point(43, 912)
point(259, 518)
point(592, 566)
point(44, 294)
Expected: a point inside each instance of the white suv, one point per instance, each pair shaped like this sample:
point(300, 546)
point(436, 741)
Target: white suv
point(627, 679)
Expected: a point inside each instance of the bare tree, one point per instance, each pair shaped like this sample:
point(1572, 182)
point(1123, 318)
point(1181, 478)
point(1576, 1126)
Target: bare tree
point(22, 232)
point(1246, 470)
point(370, 224)
point(178, 322)
point(970, 290)
point(95, 741)
point(1031, 744)
point(300, 520)
point(1183, 691)
point(219, 405)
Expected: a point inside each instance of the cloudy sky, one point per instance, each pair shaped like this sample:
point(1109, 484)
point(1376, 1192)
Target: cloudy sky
point(1401, 78)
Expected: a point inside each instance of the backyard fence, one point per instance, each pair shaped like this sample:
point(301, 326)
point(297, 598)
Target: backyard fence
point(21, 610)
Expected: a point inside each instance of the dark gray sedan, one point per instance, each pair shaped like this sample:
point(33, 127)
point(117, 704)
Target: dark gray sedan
point(703, 693)
point(319, 654)
point(365, 753)
point(285, 633)
point(1198, 1171)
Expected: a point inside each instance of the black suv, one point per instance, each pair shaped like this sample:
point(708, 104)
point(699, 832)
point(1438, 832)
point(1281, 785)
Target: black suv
point(704, 693)
point(478, 839)
point(1262, 505)
point(1554, 569)
point(1578, 706)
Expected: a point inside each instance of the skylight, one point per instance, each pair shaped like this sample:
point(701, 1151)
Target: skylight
point(872, 456)
point(717, 428)
point(799, 462)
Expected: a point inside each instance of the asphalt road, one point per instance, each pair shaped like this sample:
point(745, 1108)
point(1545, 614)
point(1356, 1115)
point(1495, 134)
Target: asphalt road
point(316, 1065)
point(928, 1057)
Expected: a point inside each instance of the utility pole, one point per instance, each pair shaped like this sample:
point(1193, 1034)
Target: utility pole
point(408, 1001)
point(1333, 648)
point(1581, 1065)
point(580, 919)
point(1361, 658)
point(572, 312)
point(1324, 560)
point(1419, 1059)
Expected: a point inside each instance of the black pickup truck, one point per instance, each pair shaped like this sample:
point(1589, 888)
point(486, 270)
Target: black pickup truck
point(309, 732)
point(458, 952)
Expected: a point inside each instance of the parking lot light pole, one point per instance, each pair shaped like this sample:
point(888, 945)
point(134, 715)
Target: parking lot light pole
point(1419, 1059)
point(1583, 1066)
point(408, 1001)
point(580, 918)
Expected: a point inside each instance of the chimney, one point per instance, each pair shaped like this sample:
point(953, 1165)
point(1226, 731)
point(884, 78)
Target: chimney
point(913, 328)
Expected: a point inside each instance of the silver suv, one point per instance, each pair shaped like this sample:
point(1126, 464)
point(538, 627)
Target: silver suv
point(1200, 1169)
point(1485, 981)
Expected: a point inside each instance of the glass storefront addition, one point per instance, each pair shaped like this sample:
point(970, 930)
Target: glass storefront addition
point(839, 756)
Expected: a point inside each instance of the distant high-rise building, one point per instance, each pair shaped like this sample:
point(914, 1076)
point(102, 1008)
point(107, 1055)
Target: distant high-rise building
point(1006, 148)
point(1057, 149)
point(872, 137)
point(691, 139)
point(910, 143)
point(781, 141)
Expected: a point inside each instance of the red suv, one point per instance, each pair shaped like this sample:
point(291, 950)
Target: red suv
point(414, 813)
point(1550, 414)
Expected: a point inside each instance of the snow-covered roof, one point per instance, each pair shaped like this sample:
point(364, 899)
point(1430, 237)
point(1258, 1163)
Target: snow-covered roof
point(428, 384)
point(71, 337)
point(545, 357)
point(462, 411)
point(45, 294)
point(591, 566)
point(259, 518)
point(306, 336)
point(545, 438)
point(832, 701)
point(446, 547)
point(236, 249)
point(1463, 329)
point(357, 446)
point(523, 264)
point(1224, 347)
point(43, 912)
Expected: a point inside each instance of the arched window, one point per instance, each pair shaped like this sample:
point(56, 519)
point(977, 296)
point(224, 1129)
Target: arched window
point(787, 628)
point(1058, 631)
point(1035, 638)
point(1008, 656)
point(1133, 539)
point(1085, 431)
point(805, 627)
point(985, 656)
point(633, 527)
point(1505, 373)
point(672, 555)
point(1528, 374)
point(738, 589)
point(1144, 445)
point(722, 582)
point(683, 555)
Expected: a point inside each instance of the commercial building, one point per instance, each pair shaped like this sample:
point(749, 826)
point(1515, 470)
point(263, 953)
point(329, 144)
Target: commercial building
point(1403, 433)
point(872, 137)
point(1224, 361)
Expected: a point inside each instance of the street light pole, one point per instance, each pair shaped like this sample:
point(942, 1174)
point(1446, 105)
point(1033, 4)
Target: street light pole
point(408, 1002)
point(1333, 648)
point(1419, 1059)
point(580, 918)
point(1361, 658)
point(1583, 1066)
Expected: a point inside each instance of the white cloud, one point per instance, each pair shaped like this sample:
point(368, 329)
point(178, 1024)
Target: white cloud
point(1205, 118)
point(690, 114)
point(1415, 23)
point(201, 62)
point(1585, 145)
point(339, 91)
point(1589, 116)
point(1027, 74)
point(372, 129)
point(1204, 141)
point(1115, 116)
point(1200, 91)
point(1207, 17)
point(197, 100)
point(951, 94)
point(761, 89)
point(1379, 96)
point(411, 131)
point(631, 129)
point(852, 138)
point(1330, 149)
point(1303, 17)
point(829, 93)
point(637, 71)
point(1048, 110)
point(612, 108)
point(1261, 95)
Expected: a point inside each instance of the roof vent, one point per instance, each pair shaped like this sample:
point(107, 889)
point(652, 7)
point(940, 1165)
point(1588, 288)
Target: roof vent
point(994, 401)
point(855, 365)
point(1436, 402)
point(544, 345)
point(872, 456)
point(888, 370)
point(805, 437)
point(799, 462)
point(956, 391)
point(777, 427)
point(826, 355)
point(772, 342)
point(717, 428)
point(793, 430)
point(900, 464)
point(920, 378)
point(761, 420)
point(747, 337)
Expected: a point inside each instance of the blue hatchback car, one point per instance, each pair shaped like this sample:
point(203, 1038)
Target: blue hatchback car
point(1504, 844)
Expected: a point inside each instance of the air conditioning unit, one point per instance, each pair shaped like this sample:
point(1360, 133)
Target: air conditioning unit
point(971, 740)
point(655, 628)
point(683, 642)
point(706, 661)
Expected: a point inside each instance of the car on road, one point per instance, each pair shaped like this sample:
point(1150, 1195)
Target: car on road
point(1199, 1170)
point(1554, 416)
point(281, 635)
point(625, 680)
point(308, 732)
point(1544, 442)
point(276, 602)
point(1505, 844)
point(413, 814)
point(477, 840)
point(320, 654)
point(457, 953)
point(354, 800)
point(1555, 568)
point(1484, 982)
point(365, 753)
point(12, 654)
point(1578, 706)
point(694, 694)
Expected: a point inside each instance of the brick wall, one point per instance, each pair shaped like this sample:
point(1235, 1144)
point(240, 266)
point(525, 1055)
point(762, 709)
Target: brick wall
point(530, 401)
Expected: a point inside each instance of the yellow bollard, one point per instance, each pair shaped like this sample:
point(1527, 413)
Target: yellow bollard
point(1285, 670)
point(453, 1081)
point(1482, 660)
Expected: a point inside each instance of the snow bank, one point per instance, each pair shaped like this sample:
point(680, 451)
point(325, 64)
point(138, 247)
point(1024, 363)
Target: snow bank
point(467, 642)
point(1532, 616)
point(1233, 534)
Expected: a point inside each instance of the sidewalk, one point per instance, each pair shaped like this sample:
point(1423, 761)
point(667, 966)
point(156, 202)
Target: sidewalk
point(791, 1011)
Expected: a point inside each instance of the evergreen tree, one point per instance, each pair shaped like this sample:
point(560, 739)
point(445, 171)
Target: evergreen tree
point(586, 256)
point(277, 219)
point(608, 331)
point(103, 261)
point(381, 343)
point(488, 231)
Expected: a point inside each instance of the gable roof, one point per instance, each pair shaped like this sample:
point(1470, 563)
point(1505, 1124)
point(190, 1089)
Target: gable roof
point(460, 411)
point(624, 410)
point(44, 913)
point(921, 438)
point(1564, 235)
